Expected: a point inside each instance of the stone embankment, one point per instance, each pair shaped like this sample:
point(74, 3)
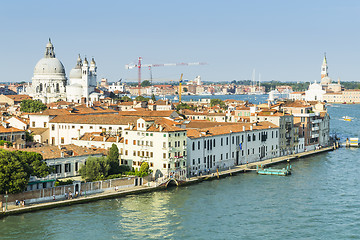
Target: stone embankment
point(13, 210)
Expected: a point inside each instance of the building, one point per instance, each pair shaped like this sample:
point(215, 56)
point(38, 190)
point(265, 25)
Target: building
point(160, 142)
point(222, 147)
point(49, 83)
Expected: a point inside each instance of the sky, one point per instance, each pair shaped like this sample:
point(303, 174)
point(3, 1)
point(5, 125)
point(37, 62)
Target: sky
point(281, 40)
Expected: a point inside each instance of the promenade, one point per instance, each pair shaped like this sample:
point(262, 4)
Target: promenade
point(13, 210)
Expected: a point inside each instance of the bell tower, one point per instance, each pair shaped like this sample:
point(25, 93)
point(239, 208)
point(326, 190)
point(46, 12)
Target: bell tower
point(324, 68)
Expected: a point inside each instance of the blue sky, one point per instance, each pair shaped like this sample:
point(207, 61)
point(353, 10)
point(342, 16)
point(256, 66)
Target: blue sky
point(282, 40)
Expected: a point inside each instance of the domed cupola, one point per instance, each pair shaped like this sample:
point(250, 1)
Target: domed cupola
point(49, 64)
point(76, 71)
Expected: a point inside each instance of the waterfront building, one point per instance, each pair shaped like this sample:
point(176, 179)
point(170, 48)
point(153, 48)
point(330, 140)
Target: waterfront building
point(285, 122)
point(222, 147)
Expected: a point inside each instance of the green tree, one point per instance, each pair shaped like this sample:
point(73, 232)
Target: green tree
point(113, 160)
point(126, 99)
point(186, 89)
point(215, 101)
point(145, 83)
point(32, 106)
point(144, 170)
point(29, 137)
point(16, 168)
point(141, 99)
point(95, 168)
point(153, 97)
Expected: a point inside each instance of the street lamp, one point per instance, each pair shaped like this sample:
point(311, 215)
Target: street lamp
point(6, 197)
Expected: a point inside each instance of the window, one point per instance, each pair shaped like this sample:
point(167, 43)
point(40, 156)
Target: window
point(62, 140)
point(76, 166)
point(72, 126)
point(214, 142)
point(126, 152)
point(193, 146)
point(227, 141)
point(164, 155)
point(52, 127)
point(67, 167)
point(134, 153)
point(126, 141)
point(81, 127)
point(164, 165)
point(164, 144)
point(58, 168)
point(151, 154)
point(45, 124)
point(151, 164)
point(91, 127)
point(227, 155)
point(33, 124)
point(151, 143)
point(134, 142)
point(198, 144)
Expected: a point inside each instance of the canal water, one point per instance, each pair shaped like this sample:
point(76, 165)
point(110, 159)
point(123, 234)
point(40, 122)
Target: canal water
point(320, 200)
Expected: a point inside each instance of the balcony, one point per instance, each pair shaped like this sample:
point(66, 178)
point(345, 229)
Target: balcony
point(316, 121)
point(314, 135)
point(315, 129)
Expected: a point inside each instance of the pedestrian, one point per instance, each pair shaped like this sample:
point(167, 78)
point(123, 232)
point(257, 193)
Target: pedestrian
point(76, 194)
point(70, 195)
point(66, 195)
point(54, 197)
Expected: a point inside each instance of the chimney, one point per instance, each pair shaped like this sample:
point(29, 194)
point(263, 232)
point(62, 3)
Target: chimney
point(104, 138)
point(161, 128)
point(78, 135)
point(117, 138)
point(62, 154)
point(243, 128)
point(251, 128)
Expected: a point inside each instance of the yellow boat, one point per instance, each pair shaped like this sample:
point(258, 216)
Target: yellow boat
point(347, 118)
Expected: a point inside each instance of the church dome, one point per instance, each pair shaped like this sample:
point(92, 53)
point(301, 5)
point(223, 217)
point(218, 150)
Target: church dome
point(326, 80)
point(75, 73)
point(49, 66)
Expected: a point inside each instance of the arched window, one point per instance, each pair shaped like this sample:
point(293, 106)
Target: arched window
point(193, 146)
point(57, 87)
point(41, 87)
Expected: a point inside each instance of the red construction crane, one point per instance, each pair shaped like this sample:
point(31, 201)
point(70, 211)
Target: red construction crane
point(139, 66)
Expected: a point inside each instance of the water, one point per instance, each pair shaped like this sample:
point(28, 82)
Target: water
point(320, 200)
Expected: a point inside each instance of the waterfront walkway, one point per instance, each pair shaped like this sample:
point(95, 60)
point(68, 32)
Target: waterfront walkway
point(12, 209)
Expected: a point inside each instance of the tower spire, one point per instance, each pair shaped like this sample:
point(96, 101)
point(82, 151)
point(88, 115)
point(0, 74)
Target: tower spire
point(324, 68)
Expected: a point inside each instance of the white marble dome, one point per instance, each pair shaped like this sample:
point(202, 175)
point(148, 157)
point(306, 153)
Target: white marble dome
point(49, 66)
point(75, 73)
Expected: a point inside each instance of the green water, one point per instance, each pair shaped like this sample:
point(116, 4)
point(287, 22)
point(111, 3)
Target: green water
point(320, 200)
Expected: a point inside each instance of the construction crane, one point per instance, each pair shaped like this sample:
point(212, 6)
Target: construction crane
point(139, 65)
point(180, 82)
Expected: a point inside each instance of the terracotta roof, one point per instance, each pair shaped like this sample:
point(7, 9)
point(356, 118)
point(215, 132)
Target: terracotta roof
point(221, 130)
point(99, 137)
point(109, 119)
point(205, 123)
point(51, 152)
point(38, 131)
point(146, 113)
point(19, 98)
point(9, 129)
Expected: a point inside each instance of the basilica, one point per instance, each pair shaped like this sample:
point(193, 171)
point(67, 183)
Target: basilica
point(49, 83)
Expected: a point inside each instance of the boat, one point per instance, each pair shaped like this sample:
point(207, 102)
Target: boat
point(352, 142)
point(347, 118)
point(272, 171)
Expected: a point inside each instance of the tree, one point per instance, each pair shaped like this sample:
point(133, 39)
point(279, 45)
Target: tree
point(215, 101)
point(144, 170)
point(153, 97)
point(32, 106)
point(94, 169)
point(113, 160)
point(29, 137)
point(185, 89)
point(16, 168)
point(145, 83)
point(126, 99)
point(141, 99)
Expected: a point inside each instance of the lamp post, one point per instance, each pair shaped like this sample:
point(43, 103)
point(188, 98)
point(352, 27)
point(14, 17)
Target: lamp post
point(6, 197)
